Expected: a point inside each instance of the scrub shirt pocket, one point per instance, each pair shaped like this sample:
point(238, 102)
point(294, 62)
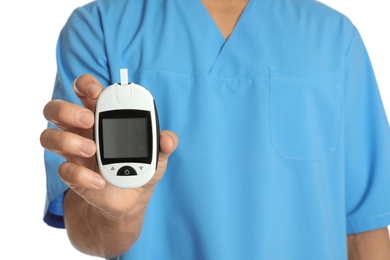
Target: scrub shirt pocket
point(306, 112)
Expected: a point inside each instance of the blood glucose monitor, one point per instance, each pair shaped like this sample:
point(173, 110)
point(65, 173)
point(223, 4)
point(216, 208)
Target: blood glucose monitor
point(126, 133)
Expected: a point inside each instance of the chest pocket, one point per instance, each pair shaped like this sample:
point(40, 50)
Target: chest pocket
point(306, 112)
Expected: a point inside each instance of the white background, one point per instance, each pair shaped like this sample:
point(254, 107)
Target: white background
point(29, 30)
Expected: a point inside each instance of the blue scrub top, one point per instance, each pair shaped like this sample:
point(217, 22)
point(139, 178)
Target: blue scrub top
point(284, 143)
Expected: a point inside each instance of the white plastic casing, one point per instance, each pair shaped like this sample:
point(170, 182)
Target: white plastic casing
point(127, 97)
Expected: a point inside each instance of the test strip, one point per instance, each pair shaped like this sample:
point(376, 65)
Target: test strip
point(124, 77)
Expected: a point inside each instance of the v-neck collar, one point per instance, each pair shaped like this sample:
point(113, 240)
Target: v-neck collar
point(211, 21)
point(224, 43)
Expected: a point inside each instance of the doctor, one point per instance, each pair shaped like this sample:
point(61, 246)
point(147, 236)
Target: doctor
point(284, 143)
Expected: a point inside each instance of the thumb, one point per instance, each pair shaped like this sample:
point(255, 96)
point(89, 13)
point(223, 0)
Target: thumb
point(168, 144)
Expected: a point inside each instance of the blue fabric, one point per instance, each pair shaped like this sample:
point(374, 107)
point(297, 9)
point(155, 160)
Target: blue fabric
point(54, 213)
point(284, 142)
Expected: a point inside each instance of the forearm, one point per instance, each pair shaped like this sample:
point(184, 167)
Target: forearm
point(95, 233)
point(372, 245)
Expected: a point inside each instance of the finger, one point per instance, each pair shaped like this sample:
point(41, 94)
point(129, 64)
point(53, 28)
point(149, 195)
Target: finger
point(67, 143)
point(87, 88)
point(168, 144)
point(66, 115)
point(77, 176)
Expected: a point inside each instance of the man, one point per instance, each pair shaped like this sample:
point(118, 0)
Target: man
point(283, 138)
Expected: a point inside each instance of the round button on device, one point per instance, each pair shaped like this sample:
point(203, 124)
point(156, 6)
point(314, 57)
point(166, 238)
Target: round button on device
point(126, 171)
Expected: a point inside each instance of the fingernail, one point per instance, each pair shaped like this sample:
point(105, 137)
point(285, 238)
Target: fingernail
point(98, 182)
point(85, 118)
point(87, 148)
point(92, 89)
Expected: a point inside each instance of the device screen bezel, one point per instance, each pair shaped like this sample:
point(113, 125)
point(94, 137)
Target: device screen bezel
point(126, 114)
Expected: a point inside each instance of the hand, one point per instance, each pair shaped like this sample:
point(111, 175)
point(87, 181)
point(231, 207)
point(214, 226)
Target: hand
point(75, 143)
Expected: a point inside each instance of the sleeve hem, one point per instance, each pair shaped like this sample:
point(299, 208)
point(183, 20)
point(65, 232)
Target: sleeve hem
point(54, 220)
point(367, 224)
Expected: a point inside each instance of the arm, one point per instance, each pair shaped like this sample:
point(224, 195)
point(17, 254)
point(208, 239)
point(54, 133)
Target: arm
point(100, 219)
point(110, 232)
point(372, 245)
point(101, 232)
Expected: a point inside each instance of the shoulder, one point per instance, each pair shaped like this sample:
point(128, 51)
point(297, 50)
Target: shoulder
point(98, 8)
point(305, 18)
point(98, 16)
point(310, 10)
point(110, 14)
point(322, 12)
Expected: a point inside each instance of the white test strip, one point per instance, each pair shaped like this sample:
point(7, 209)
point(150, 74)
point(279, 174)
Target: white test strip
point(124, 77)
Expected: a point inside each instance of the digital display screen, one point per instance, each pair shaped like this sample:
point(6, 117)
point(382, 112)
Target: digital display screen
point(125, 138)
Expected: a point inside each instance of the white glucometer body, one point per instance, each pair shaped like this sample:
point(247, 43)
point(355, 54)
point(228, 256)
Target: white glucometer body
point(126, 134)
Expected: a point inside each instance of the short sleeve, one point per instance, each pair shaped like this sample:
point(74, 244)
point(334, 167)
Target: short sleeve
point(367, 145)
point(80, 49)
